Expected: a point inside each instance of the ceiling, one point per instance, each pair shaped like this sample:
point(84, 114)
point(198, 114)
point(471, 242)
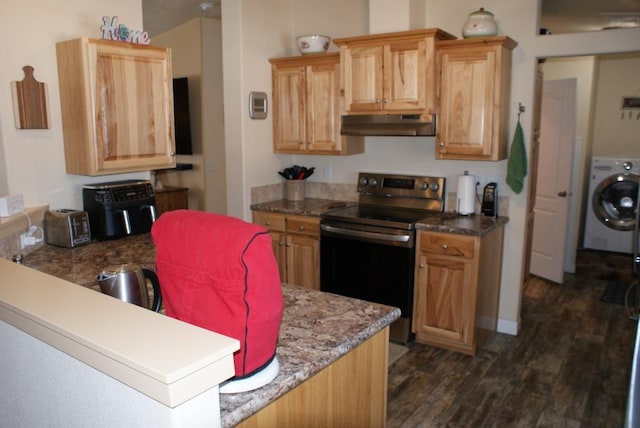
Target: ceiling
point(558, 16)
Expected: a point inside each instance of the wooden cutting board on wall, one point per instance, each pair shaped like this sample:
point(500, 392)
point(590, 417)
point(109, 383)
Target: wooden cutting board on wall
point(30, 102)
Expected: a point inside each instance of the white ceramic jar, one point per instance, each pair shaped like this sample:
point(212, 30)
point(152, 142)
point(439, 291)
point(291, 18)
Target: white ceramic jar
point(480, 24)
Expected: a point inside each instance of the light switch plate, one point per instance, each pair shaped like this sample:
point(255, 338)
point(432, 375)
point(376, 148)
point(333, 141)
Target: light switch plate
point(10, 205)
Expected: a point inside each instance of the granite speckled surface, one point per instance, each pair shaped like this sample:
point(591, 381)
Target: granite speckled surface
point(447, 222)
point(317, 328)
point(308, 206)
point(450, 222)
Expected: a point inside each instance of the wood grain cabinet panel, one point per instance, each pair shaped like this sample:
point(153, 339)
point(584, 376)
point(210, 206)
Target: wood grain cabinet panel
point(296, 246)
point(473, 98)
point(117, 106)
point(390, 72)
point(171, 198)
point(307, 107)
point(351, 392)
point(457, 286)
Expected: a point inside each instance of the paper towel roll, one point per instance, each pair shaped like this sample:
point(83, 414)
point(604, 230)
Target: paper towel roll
point(466, 194)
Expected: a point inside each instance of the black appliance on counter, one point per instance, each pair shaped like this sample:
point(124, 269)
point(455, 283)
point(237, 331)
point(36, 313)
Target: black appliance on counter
point(119, 208)
point(367, 251)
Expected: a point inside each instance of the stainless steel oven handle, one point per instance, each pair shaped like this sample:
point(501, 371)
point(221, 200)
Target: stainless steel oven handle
point(363, 234)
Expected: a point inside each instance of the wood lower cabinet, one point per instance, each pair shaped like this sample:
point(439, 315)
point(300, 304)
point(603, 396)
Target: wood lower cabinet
point(117, 106)
point(307, 107)
point(457, 287)
point(296, 246)
point(351, 392)
point(473, 98)
point(171, 198)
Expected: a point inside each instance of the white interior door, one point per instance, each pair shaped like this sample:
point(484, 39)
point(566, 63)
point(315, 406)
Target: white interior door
point(551, 209)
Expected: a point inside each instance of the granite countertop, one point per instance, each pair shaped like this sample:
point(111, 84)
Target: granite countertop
point(309, 206)
point(450, 222)
point(317, 327)
point(447, 222)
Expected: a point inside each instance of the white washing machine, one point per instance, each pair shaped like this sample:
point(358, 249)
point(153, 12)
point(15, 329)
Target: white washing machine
point(613, 203)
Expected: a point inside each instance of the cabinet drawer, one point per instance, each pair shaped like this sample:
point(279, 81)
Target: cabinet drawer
point(303, 225)
point(449, 244)
point(271, 221)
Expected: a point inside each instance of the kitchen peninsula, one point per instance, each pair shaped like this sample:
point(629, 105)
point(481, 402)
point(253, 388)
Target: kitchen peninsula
point(326, 341)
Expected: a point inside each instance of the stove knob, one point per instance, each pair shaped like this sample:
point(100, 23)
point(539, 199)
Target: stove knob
point(435, 186)
point(628, 165)
point(424, 185)
point(373, 182)
point(364, 181)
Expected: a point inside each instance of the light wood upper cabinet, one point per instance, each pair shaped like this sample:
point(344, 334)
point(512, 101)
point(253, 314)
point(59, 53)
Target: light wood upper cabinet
point(457, 287)
point(117, 106)
point(390, 72)
point(307, 108)
point(473, 98)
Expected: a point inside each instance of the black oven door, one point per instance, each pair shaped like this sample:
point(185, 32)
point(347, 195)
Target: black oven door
point(377, 268)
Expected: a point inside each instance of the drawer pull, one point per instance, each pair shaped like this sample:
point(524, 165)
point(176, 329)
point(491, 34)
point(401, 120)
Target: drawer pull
point(445, 246)
point(268, 223)
point(300, 227)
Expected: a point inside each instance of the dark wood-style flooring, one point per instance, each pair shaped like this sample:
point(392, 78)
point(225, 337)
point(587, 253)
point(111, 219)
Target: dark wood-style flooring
point(568, 367)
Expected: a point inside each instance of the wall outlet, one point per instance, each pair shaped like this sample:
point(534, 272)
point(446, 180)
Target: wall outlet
point(26, 240)
point(10, 205)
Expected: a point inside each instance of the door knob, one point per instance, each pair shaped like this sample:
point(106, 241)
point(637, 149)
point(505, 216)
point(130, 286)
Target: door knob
point(562, 194)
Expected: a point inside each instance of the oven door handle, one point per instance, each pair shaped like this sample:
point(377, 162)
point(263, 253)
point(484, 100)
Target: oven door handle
point(364, 234)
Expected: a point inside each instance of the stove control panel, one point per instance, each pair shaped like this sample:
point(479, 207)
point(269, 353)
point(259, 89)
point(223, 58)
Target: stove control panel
point(407, 186)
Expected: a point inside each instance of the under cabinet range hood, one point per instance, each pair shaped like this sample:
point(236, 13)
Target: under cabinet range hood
point(389, 125)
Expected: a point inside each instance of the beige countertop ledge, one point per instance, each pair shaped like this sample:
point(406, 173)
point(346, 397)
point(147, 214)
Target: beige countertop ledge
point(89, 326)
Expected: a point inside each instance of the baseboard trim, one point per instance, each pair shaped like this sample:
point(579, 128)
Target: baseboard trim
point(508, 327)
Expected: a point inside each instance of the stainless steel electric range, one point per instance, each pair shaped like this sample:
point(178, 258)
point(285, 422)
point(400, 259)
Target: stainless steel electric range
point(367, 251)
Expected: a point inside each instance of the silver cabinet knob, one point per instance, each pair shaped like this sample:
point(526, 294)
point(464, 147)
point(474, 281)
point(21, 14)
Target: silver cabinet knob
point(445, 246)
point(441, 144)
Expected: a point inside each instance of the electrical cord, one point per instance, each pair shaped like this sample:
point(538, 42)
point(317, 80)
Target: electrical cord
point(30, 239)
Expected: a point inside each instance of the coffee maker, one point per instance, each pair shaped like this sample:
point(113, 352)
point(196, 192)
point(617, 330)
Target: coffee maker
point(120, 208)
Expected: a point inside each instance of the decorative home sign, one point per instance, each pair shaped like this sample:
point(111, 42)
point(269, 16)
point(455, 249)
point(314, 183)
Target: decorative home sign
point(111, 30)
point(30, 102)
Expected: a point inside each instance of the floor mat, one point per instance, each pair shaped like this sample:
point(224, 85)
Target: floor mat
point(615, 292)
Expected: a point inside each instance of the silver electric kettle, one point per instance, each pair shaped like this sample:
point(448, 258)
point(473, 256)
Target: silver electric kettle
point(128, 283)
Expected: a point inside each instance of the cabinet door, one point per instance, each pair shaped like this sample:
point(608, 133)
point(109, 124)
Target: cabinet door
point(303, 255)
point(117, 106)
point(444, 302)
point(363, 78)
point(133, 108)
point(467, 89)
point(279, 244)
point(171, 199)
point(323, 117)
point(289, 90)
point(404, 76)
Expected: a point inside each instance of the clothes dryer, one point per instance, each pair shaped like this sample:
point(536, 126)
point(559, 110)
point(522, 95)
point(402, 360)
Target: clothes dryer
point(613, 203)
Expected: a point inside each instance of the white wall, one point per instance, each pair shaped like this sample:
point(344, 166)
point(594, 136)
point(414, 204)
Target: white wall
point(616, 132)
point(197, 54)
point(252, 33)
point(34, 159)
point(44, 387)
point(185, 42)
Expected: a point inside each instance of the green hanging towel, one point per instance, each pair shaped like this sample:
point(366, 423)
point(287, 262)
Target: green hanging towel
point(517, 164)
